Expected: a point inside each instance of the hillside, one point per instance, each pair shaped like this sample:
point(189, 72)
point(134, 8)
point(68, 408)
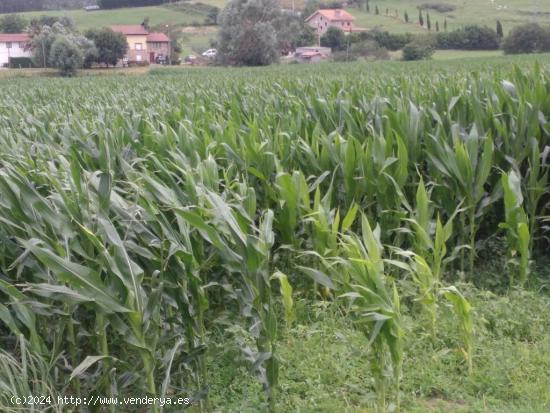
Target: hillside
point(509, 12)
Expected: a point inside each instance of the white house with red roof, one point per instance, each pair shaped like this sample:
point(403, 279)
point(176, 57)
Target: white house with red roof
point(322, 19)
point(14, 45)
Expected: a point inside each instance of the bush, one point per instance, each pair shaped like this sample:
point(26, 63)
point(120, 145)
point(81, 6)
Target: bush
point(370, 50)
point(469, 38)
point(343, 56)
point(334, 38)
point(439, 7)
point(66, 56)
point(390, 41)
point(419, 49)
point(527, 38)
point(20, 63)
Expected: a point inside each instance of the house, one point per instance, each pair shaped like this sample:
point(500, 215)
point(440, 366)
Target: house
point(136, 37)
point(158, 47)
point(144, 46)
point(14, 45)
point(322, 19)
point(311, 54)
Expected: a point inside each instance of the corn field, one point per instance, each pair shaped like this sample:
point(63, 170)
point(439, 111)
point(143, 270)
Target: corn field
point(139, 214)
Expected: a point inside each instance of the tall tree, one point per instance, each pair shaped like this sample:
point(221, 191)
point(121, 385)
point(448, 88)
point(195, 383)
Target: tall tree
point(406, 16)
point(111, 46)
point(500, 32)
point(247, 35)
point(428, 21)
point(420, 18)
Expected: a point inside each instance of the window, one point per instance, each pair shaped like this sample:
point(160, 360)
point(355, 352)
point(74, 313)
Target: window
point(8, 45)
point(138, 58)
point(139, 46)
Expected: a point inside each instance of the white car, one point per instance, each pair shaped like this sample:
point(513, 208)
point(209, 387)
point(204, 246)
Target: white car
point(210, 53)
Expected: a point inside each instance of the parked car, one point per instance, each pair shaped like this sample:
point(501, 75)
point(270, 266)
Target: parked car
point(210, 53)
point(190, 58)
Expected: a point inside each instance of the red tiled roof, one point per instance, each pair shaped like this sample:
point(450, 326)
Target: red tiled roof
point(14, 37)
point(333, 15)
point(131, 29)
point(157, 37)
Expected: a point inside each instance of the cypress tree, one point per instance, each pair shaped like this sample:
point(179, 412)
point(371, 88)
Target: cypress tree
point(406, 17)
point(437, 26)
point(368, 7)
point(428, 22)
point(376, 11)
point(445, 24)
point(420, 18)
point(500, 32)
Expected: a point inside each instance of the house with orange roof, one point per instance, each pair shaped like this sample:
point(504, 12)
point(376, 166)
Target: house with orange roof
point(144, 46)
point(14, 45)
point(322, 19)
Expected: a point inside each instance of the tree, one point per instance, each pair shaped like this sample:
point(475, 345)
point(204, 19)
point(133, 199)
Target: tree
point(437, 26)
point(469, 38)
point(66, 56)
point(419, 49)
point(368, 7)
point(428, 21)
point(145, 23)
point(445, 24)
point(406, 16)
point(420, 18)
point(527, 38)
point(12, 23)
point(334, 38)
point(247, 35)
point(111, 46)
point(376, 10)
point(500, 32)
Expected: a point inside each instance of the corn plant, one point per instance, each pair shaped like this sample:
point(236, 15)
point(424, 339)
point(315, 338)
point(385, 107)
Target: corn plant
point(517, 228)
point(375, 304)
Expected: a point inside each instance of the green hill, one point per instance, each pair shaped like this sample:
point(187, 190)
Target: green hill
point(391, 17)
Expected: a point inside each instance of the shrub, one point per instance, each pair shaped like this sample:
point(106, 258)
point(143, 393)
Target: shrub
point(527, 38)
point(469, 38)
point(343, 56)
point(370, 50)
point(439, 7)
point(65, 56)
point(334, 38)
point(419, 49)
point(20, 63)
point(390, 41)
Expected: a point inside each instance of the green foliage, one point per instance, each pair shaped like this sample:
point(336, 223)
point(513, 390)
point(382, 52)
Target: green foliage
point(469, 38)
point(527, 38)
point(21, 62)
point(65, 56)
point(517, 227)
point(499, 30)
point(419, 49)
point(334, 38)
point(254, 43)
point(146, 224)
point(12, 23)
point(111, 46)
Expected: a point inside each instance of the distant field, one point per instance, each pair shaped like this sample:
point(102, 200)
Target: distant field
point(485, 12)
point(134, 15)
point(509, 12)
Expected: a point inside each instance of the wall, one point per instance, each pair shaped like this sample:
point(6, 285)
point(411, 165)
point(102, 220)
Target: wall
point(17, 50)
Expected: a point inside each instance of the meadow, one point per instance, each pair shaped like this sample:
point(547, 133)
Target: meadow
point(334, 237)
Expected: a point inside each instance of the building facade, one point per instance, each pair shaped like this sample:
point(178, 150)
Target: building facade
point(322, 19)
point(13, 45)
point(144, 46)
